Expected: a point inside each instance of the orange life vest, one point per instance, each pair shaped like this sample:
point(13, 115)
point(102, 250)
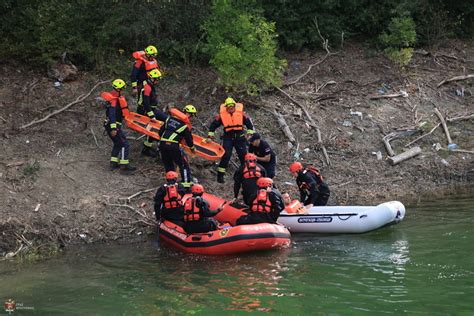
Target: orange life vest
point(251, 172)
point(262, 202)
point(172, 198)
point(295, 207)
point(191, 211)
point(112, 98)
point(149, 64)
point(234, 121)
point(181, 116)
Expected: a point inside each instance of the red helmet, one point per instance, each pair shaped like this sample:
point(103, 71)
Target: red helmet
point(250, 157)
point(264, 182)
point(197, 189)
point(171, 175)
point(296, 167)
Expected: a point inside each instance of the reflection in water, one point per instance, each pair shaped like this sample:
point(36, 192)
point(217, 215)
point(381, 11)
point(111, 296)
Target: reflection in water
point(422, 266)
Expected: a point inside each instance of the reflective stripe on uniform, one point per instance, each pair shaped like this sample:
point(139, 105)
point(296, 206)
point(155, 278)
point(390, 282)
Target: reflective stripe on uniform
point(220, 169)
point(114, 159)
point(124, 162)
point(175, 134)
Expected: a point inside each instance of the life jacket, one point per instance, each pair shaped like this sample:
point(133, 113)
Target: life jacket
point(111, 96)
point(251, 170)
point(234, 121)
point(191, 212)
point(315, 171)
point(262, 202)
point(295, 207)
point(181, 116)
point(172, 198)
point(149, 64)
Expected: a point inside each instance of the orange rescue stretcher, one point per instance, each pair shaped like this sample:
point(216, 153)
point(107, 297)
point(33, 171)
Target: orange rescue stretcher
point(204, 148)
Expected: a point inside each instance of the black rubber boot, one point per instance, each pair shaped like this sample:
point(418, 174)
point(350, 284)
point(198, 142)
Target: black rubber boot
point(114, 165)
point(220, 177)
point(128, 168)
point(150, 152)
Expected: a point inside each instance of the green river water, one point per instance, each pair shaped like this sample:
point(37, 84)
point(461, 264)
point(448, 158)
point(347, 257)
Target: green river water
point(422, 266)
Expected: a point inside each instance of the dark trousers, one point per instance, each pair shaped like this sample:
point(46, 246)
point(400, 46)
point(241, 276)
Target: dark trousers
point(269, 168)
point(171, 155)
point(175, 215)
point(229, 143)
point(202, 226)
point(255, 218)
point(121, 145)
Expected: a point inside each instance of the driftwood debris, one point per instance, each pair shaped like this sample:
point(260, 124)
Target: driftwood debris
point(311, 123)
point(389, 96)
point(284, 127)
point(412, 152)
point(445, 127)
point(394, 135)
point(67, 106)
point(457, 78)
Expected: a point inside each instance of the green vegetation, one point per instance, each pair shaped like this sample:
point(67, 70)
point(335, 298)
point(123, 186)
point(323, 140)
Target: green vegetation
point(31, 170)
point(399, 39)
point(238, 38)
point(242, 48)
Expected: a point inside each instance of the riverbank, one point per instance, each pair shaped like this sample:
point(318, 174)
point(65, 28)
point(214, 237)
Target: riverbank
point(57, 189)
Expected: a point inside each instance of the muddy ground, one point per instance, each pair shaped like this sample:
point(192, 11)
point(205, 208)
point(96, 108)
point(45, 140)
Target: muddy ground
point(56, 188)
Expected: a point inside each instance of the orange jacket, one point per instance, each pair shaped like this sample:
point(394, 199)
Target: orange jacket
point(181, 116)
point(149, 64)
point(234, 121)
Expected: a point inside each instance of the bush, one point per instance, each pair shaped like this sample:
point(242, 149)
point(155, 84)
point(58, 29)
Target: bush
point(242, 47)
point(398, 40)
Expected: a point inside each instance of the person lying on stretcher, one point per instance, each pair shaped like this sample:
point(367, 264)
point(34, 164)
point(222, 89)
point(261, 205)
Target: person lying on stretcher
point(293, 206)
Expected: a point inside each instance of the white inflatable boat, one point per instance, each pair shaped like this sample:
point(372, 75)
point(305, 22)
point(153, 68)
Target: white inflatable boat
point(344, 219)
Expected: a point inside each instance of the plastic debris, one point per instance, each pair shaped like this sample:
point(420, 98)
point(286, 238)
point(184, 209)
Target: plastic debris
point(378, 154)
point(57, 84)
point(437, 146)
point(460, 92)
point(347, 123)
point(83, 236)
point(444, 162)
point(356, 113)
point(404, 93)
point(452, 146)
point(306, 150)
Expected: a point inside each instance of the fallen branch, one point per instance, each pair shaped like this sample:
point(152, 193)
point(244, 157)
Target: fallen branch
point(460, 118)
point(404, 156)
point(134, 210)
point(78, 100)
point(445, 127)
point(389, 96)
point(308, 70)
point(312, 123)
point(417, 139)
point(457, 78)
point(95, 138)
point(284, 127)
point(394, 135)
point(128, 199)
point(458, 150)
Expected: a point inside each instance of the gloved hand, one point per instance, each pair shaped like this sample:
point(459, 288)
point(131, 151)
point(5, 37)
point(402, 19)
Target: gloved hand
point(113, 133)
point(134, 91)
point(193, 149)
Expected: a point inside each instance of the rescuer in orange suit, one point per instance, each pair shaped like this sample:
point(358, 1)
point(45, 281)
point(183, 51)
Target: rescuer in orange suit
point(233, 118)
point(116, 109)
point(169, 200)
point(145, 61)
point(197, 215)
point(247, 176)
point(266, 205)
point(313, 190)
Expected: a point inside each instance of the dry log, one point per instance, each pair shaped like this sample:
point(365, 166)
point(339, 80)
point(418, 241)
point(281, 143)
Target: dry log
point(284, 127)
point(445, 127)
point(457, 78)
point(78, 100)
point(311, 122)
point(404, 156)
point(129, 198)
point(394, 135)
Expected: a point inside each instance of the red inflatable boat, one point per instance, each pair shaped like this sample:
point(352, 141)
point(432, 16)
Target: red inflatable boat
point(227, 240)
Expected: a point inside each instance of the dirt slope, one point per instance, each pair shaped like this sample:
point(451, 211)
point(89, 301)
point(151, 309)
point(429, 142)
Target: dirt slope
point(57, 189)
